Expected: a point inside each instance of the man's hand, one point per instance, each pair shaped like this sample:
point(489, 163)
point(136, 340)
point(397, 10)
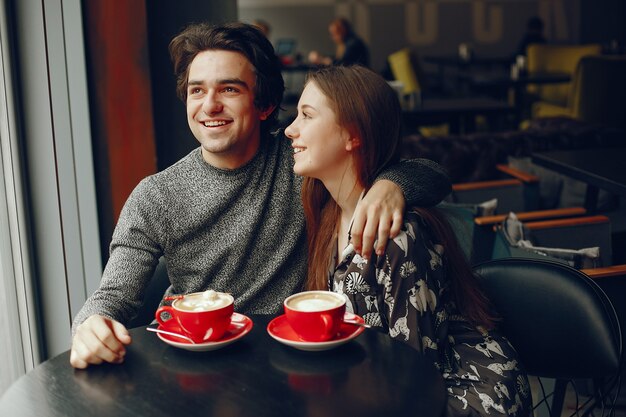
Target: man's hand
point(99, 339)
point(377, 218)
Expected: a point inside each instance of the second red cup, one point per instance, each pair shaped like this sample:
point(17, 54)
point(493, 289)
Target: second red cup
point(315, 316)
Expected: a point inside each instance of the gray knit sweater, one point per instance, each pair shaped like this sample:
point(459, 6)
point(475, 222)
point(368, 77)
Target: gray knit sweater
point(239, 231)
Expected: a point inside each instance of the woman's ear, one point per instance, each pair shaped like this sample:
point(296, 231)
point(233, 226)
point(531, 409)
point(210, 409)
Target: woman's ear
point(353, 143)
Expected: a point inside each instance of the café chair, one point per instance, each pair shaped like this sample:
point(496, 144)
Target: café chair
point(406, 68)
point(581, 242)
point(548, 58)
point(493, 220)
point(484, 227)
point(475, 225)
point(597, 90)
point(518, 192)
point(563, 326)
point(469, 200)
point(612, 280)
point(152, 296)
point(461, 218)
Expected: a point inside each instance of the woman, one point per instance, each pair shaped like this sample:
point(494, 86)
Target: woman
point(350, 49)
point(421, 290)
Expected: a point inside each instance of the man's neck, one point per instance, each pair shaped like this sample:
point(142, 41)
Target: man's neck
point(231, 160)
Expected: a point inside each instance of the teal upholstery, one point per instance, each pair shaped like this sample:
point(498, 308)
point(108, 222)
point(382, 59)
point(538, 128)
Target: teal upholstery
point(476, 242)
point(580, 246)
point(578, 237)
point(511, 197)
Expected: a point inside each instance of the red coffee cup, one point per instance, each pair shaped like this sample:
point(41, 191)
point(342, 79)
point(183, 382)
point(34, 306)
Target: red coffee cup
point(315, 316)
point(203, 316)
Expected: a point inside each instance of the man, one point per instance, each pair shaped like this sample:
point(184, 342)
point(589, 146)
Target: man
point(533, 35)
point(227, 216)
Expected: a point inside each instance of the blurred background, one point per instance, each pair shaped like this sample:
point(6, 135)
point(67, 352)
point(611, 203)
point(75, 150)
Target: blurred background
point(88, 108)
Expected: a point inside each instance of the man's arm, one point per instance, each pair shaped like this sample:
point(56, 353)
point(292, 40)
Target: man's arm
point(424, 183)
point(98, 331)
point(378, 216)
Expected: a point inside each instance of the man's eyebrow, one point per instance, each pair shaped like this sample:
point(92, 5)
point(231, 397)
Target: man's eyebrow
point(224, 81)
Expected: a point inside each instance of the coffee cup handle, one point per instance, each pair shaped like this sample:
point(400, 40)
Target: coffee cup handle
point(328, 326)
point(161, 310)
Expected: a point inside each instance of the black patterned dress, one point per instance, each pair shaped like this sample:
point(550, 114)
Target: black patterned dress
point(402, 293)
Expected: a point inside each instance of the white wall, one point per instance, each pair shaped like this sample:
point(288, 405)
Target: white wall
point(49, 252)
point(19, 344)
point(57, 137)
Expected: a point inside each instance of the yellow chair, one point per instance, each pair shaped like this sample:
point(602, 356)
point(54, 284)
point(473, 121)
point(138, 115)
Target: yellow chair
point(406, 69)
point(598, 89)
point(556, 58)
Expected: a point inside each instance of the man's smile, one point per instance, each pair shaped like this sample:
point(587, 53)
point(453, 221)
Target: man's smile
point(215, 123)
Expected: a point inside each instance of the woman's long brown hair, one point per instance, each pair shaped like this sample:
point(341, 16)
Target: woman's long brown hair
point(464, 289)
point(368, 107)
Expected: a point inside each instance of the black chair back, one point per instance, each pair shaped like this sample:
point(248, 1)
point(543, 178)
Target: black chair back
point(152, 297)
point(561, 323)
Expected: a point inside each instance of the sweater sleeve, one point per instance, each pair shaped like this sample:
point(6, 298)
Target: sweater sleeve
point(424, 183)
point(134, 254)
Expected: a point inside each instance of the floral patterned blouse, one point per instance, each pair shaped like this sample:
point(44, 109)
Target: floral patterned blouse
point(403, 293)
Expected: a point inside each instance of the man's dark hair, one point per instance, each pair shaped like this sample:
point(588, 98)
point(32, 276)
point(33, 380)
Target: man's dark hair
point(237, 37)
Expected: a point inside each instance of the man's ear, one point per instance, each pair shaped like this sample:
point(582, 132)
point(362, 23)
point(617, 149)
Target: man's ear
point(266, 113)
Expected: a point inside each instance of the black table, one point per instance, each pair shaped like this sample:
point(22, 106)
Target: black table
point(501, 85)
point(599, 168)
point(463, 65)
point(370, 376)
point(455, 61)
point(506, 81)
point(460, 113)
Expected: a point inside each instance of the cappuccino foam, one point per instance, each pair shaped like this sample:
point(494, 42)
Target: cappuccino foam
point(205, 301)
point(316, 302)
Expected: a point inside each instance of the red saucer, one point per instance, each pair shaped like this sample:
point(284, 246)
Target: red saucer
point(280, 330)
point(240, 325)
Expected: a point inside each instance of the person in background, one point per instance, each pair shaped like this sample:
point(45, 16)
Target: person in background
point(227, 216)
point(350, 49)
point(421, 291)
point(534, 34)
